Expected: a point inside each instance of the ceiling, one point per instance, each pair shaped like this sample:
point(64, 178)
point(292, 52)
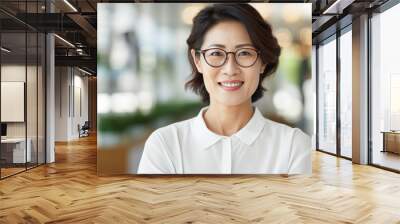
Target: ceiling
point(331, 15)
point(77, 25)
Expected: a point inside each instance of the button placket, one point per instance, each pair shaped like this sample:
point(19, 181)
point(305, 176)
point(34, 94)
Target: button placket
point(227, 156)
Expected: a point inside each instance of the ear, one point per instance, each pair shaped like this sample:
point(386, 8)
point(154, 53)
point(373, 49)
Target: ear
point(196, 60)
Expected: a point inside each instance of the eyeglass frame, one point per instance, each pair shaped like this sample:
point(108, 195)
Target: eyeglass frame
point(227, 53)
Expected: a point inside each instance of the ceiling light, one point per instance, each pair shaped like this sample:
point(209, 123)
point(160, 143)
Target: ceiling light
point(337, 7)
point(64, 40)
point(70, 5)
point(5, 49)
point(84, 71)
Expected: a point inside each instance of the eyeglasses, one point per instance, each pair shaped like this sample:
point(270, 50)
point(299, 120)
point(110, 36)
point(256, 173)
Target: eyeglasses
point(216, 57)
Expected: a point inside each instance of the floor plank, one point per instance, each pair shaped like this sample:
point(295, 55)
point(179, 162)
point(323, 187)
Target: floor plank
point(69, 191)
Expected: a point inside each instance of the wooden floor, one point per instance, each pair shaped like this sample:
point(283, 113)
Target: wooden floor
point(388, 159)
point(69, 191)
point(10, 171)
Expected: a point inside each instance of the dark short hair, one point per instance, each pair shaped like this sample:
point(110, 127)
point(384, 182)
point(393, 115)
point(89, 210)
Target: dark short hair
point(260, 33)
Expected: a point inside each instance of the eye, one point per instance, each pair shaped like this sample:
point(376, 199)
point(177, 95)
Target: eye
point(245, 53)
point(216, 53)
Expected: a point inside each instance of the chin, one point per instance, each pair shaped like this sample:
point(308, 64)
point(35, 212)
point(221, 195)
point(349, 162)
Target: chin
point(232, 101)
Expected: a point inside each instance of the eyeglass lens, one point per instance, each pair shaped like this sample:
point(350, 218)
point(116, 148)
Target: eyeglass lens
point(244, 57)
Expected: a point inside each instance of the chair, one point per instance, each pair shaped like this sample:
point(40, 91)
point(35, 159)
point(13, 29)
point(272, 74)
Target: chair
point(84, 130)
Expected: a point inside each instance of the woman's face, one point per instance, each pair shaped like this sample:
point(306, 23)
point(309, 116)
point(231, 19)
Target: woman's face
point(230, 84)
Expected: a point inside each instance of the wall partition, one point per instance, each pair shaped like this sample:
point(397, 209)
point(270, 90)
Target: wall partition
point(22, 77)
point(13, 145)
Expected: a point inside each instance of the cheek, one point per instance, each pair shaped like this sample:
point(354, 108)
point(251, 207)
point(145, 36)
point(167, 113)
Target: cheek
point(209, 76)
point(253, 81)
point(209, 80)
point(254, 85)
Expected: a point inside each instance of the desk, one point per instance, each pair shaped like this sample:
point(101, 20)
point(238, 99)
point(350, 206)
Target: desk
point(391, 141)
point(16, 147)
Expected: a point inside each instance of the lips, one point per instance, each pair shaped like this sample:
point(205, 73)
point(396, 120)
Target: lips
point(231, 85)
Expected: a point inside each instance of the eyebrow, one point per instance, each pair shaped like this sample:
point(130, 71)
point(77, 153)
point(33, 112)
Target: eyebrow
point(237, 46)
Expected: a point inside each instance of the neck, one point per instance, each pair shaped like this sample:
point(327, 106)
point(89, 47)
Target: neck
point(227, 120)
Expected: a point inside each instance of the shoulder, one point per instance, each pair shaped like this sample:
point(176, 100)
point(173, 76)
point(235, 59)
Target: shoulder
point(161, 153)
point(170, 133)
point(277, 126)
point(280, 128)
point(296, 144)
point(283, 132)
point(174, 128)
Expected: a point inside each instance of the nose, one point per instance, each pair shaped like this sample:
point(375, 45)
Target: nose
point(230, 67)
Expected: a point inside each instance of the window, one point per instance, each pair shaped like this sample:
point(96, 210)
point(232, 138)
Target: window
point(346, 93)
point(385, 85)
point(327, 96)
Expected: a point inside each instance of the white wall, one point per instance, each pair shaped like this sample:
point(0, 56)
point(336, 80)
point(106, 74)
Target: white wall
point(81, 89)
point(70, 83)
point(61, 103)
point(12, 73)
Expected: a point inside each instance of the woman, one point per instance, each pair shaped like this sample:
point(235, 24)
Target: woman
point(231, 50)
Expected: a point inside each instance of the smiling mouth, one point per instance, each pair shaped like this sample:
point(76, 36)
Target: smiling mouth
point(231, 85)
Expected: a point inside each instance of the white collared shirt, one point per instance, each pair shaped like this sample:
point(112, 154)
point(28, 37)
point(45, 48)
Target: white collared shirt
point(262, 146)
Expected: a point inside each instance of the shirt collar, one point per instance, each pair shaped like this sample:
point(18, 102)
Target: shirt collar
point(204, 138)
point(250, 132)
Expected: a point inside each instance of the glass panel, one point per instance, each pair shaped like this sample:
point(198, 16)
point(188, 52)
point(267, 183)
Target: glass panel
point(346, 94)
point(13, 87)
point(14, 152)
point(22, 77)
point(386, 89)
point(314, 81)
point(31, 97)
point(41, 99)
point(32, 89)
point(327, 96)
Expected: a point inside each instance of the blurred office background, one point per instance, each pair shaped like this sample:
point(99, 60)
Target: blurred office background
point(143, 66)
